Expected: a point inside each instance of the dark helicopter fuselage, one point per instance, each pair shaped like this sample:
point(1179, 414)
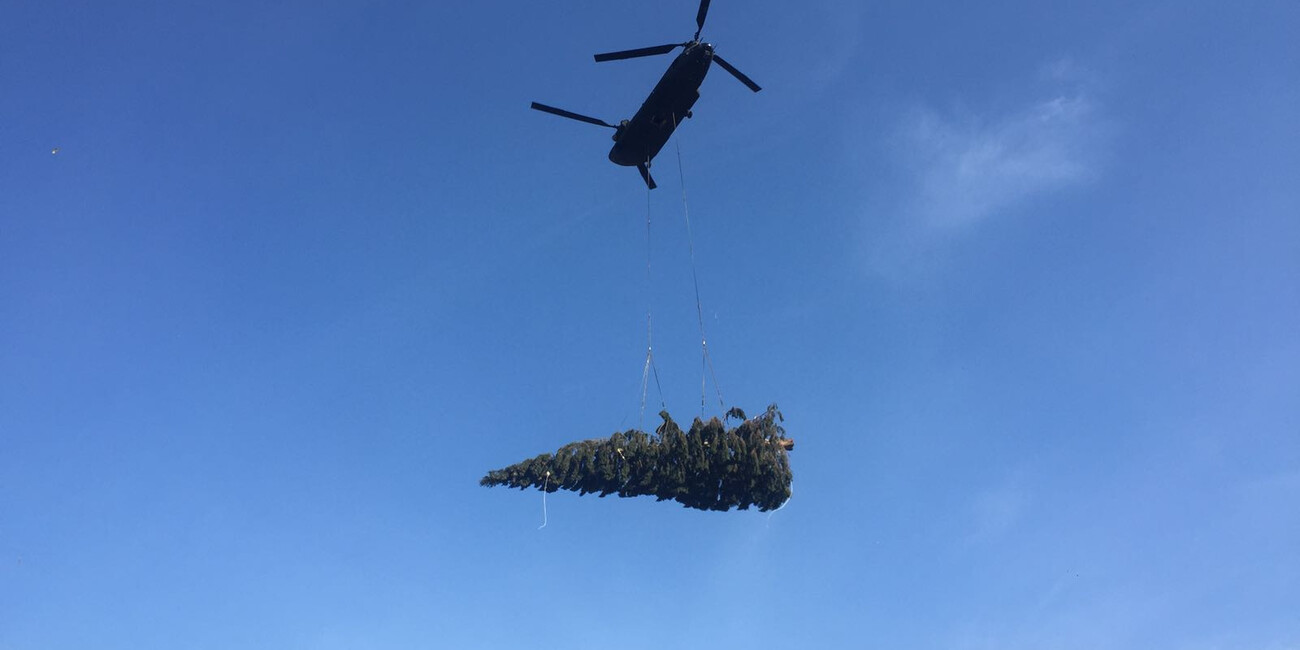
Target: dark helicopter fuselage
point(639, 139)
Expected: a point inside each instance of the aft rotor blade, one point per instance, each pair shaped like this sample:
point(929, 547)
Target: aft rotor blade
point(571, 115)
point(736, 73)
point(645, 174)
point(699, 18)
point(632, 54)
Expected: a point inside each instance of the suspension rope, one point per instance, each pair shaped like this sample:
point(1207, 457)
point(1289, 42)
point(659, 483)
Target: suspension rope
point(649, 324)
point(706, 363)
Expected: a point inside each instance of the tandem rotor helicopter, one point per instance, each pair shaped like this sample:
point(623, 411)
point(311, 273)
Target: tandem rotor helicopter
point(638, 140)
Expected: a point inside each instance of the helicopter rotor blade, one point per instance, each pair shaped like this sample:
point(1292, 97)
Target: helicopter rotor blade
point(645, 175)
point(632, 54)
point(571, 115)
point(699, 18)
point(736, 73)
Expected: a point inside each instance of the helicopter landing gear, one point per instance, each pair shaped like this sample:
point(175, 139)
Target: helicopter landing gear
point(644, 168)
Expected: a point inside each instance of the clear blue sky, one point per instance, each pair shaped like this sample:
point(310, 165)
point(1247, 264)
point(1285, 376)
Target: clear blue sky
point(1024, 278)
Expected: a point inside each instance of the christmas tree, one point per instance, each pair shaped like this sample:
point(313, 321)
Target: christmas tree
point(708, 467)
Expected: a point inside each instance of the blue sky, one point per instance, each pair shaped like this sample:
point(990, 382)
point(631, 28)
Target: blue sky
point(1024, 279)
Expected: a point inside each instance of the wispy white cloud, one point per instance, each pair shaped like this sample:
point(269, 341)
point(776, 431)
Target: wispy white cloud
point(955, 169)
point(968, 168)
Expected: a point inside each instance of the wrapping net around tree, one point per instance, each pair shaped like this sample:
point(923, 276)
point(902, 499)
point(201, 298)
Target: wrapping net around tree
point(708, 467)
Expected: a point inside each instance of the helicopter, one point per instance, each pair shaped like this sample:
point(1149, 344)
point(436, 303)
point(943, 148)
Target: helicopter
point(638, 140)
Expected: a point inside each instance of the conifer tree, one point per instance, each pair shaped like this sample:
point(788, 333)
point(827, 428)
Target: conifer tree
point(708, 467)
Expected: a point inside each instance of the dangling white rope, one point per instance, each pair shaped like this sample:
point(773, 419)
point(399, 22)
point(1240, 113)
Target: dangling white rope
point(783, 505)
point(546, 483)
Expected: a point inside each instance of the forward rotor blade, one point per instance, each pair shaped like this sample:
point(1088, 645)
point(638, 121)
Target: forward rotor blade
point(632, 54)
point(736, 73)
point(571, 115)
point(645, 175)
point(699, 18)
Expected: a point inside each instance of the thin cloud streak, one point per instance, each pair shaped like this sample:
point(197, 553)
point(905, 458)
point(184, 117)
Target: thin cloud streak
point(955, 170)
point(969, 170)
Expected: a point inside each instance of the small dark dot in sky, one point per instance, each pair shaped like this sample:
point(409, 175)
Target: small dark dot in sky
point(54, 151)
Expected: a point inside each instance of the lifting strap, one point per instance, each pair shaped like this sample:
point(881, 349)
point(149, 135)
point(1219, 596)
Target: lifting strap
point(649, 323)
point(706, 363)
